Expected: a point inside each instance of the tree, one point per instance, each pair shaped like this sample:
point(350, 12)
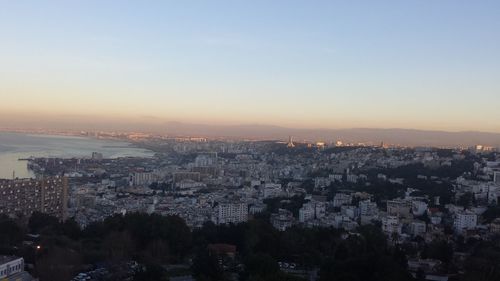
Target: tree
point(440, 250)
point(484, 262)
point(11, 234)
point(71, 229)
point(118, 246)
point(40, 221)
point(466, 199)
point(491, 213)
point(151, 272)
point(206, 267)
point(58, 264)
point(260, 265)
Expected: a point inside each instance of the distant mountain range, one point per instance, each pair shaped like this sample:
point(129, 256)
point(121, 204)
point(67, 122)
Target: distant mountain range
point(263, 132)
point(366, 135)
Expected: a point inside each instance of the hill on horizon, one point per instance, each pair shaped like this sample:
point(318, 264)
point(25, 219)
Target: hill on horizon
point(410, 137)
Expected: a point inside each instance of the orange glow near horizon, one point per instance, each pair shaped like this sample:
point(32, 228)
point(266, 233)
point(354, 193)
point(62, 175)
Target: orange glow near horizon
point(328, 65)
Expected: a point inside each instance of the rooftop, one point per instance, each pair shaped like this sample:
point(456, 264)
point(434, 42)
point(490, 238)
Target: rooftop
point(6, 259)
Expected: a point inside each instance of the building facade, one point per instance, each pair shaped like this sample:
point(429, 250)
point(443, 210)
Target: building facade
point(306, 213)
point(400, 208)
point(22, 197)
point(465, 220)
point(12, 268)
point(143, 178)
point(390, 225)
point(496, 177)
point(231, 213)
point(282, 220)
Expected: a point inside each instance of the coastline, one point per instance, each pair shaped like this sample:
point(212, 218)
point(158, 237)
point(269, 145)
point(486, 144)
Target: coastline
point(20, 147)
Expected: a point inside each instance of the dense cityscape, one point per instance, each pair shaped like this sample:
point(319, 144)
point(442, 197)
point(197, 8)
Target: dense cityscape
point(223, 140)
point(203, 209)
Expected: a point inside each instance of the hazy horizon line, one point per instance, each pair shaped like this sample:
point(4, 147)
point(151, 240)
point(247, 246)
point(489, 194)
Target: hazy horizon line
point(268, 125)
point(103, 120)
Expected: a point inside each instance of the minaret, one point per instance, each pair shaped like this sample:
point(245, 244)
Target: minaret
point(290, 142)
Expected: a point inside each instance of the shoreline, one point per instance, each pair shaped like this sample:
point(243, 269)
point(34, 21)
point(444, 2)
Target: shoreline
point(24, 146)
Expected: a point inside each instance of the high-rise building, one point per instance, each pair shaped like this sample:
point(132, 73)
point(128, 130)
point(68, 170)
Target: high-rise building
point(465, 220)
point(142, 178)
point(390, 225)
point(312, 210)
point(206, 164)
point(367, 208)
point(290, 143)
point(341, 199)
point(306, 213)
point(496, 177)
point(206, 159)
point(22, 197)
point(229, 212)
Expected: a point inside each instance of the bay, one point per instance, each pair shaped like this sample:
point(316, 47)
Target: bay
point(15, 146)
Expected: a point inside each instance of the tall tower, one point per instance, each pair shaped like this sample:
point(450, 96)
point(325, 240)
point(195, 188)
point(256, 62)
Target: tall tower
point(290, 142)
point(496, 177)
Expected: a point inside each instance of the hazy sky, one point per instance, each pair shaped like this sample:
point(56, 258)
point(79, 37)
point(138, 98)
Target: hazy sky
point(329, 64)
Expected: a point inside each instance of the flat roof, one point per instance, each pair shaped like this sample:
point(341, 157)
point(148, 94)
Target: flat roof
point(7, 259)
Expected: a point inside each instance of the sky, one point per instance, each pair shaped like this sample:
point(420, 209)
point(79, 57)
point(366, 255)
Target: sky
point(303, 64)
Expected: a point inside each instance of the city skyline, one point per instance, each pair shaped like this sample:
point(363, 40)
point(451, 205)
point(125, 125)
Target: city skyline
point(419, 65)
point(264, 140)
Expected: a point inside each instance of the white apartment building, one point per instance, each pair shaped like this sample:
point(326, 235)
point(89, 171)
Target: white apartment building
point(205, 160)
point(312, 210)
point(350, 211)
point(367, 208)
point(227, 212)
point(399, 207)
point(336, 177)
point(495, 226)
point(142, 178)
point(496, 177)
point(271, 190)
point(352, 178)
point(12, 268)
point(419, 208)
point(390, 225)
point(341, 199)
point(306, 213)
point(382, 177)
point(257, 208)
point(322, 182)
point(189, 184)
point(494, 193)
point(320, 210)
point(418, 228)
point(465, 220)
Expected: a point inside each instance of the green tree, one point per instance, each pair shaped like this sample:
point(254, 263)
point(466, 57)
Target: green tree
point(40, 221)
point(466, 200)
point(206, 267)
point(11, 233)
point(151, 272)
point(260, 265)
